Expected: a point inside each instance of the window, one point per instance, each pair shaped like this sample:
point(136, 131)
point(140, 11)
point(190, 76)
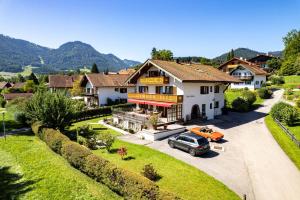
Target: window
point(88, 90)
point(210, 105)
point(116, 89)
point(123, 90)
point(256, 82)
point(210, 88)
point(216, 104)
point(247, 82)
point(153, 73)
point(143, 89)
point(169, 90)
point(159, 89)
point(204, 90)
point(217, 89)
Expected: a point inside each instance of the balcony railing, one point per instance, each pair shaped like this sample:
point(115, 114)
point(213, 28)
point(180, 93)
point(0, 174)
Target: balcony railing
point(157, 97)
point(154, 80)
point(244, 78)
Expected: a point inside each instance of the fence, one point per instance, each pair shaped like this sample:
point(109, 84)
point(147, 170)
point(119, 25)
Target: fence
point(287, 131)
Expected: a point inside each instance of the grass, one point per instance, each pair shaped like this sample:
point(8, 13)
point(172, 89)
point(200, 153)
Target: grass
point(26, 72)
point(287, 145)
point(291, 81)
point(176, 176)
point(35, 172)
point(231, 95)
point(295, 130)
point(9, 119)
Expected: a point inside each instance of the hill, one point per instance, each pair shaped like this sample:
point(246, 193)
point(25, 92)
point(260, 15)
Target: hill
point(15, 54)
point(245, 53)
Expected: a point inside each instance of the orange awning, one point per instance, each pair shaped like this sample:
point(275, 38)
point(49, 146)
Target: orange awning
point(154, 103)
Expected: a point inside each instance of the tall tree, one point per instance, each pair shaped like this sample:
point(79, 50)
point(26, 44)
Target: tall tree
point(163, 54)
point(94, 69)
point(33, 77)
point(154, 53)
point(77, 89)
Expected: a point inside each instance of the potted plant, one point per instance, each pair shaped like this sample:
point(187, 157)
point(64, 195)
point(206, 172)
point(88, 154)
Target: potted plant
point(153, 121)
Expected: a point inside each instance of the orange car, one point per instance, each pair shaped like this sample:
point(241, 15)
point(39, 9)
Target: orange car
point(207, 133)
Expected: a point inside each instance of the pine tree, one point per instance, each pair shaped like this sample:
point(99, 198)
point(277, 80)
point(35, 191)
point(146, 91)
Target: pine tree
point(154, 53)
point(33, 78)
point(106, 71)
point(94, 69)
point(232, 54)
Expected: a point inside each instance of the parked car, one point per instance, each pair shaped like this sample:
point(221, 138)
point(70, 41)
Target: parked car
point(207, 133)
point(189, 142)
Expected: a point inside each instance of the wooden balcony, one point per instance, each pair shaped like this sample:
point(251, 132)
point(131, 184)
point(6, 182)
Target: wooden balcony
point(157, 97)
point(154, 80)
point(244, 78)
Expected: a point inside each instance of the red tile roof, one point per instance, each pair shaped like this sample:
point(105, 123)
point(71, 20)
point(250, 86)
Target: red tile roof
point(109, 80)
point(62, 81)
point(19, 85)
point(11, 96)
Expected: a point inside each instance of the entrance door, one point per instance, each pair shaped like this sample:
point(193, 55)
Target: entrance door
point(195, 112)
point(203, 110)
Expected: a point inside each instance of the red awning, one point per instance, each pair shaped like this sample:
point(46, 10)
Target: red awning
point(154, 103)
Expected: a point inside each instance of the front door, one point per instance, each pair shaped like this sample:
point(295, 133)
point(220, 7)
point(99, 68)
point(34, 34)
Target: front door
point(203, 110)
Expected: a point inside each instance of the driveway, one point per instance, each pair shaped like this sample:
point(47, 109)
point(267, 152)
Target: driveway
point(252, 162)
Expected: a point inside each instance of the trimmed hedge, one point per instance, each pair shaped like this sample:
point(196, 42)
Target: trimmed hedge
point(285, 113)
point(264, 93)
point(126, 183)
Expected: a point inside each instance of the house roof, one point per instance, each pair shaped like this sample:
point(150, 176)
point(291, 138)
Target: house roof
point(62, 81)
point(187, 72)
point(19, 85)
point(127, 71)
point(238, 59)
point(4, 84)
point(262, 58)
point(108, 80)
point(11, 96)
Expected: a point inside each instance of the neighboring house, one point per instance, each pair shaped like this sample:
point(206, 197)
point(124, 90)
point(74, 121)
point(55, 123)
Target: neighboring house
point(127, 71)
point(178, 92)
point(4, 85)
point(250, 74)
point(99, 88)
point(11, 96)
point(19, 85)
point(62, 82)
point(261, 60)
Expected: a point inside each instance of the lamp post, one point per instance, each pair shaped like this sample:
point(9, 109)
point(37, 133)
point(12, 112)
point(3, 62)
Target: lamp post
point(3, 114)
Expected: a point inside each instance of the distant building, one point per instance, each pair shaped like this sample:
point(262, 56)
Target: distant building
point(250, 74)
point(261, 60)
point(62, 82)
point(12, 96)
point(4, 85)
point(101, 87)
point(19, 85)
point(127, 71)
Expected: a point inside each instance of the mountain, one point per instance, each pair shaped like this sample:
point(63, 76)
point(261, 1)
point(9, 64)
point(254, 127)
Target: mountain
point(245, 53)
point(16, 53)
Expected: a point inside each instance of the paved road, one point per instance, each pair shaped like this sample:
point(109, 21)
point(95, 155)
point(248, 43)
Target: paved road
point(252, 163)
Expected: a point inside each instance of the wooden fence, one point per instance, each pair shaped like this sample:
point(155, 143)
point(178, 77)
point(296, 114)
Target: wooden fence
point(288, 132)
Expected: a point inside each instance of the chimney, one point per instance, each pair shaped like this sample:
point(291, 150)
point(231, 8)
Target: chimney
point(241, 58)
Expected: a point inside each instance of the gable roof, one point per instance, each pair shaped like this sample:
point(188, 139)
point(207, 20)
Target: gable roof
point(127, 71)
point(108, 80)
point(11, 96)
point(18, 85)
point(238, 59)
point(262, 57)
point(4, 85)
point(62, 81)
point(186, 72)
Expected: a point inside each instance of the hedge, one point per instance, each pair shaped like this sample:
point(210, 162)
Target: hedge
point(126, 183)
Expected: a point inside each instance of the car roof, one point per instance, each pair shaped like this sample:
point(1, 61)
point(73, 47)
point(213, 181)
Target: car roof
point(190, 134)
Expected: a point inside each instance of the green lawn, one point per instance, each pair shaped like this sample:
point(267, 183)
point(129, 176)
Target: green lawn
point(46, 175)
point(9, 119)
point(295, 130)
point(176, 176)
point(230, 95)
point(287, 145)
point(291, 81)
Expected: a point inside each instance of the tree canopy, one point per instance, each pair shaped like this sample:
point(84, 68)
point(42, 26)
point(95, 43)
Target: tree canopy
point(94, 68)
point(33, 77)
point(230, 55)
point(161, 54)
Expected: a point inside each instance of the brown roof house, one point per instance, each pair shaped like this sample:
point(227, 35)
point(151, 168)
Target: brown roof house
point(103, 89)
point(12, 96)
point(127, 71)
point(176, 92)
point(62, 82)
point(261, 60)
point(4, 85)
point(250, 74)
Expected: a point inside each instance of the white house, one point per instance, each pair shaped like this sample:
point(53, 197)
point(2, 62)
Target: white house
point(101, 88)
point(250, 74)
point(176, 91)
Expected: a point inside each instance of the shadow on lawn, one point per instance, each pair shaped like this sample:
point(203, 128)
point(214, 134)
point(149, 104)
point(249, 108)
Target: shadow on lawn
point(11, 185)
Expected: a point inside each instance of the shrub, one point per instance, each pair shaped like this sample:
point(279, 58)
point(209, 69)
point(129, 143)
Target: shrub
point(91, 143)
point(240, 104)
point(94, 167)
point(54, 139)
point(264, 93)
point(81, 140)
point(122, 152)
point(20, 117)
point(87, 114)
point(249, 96)
point(285, 113)
point(2, 102)
point(298, 103)
point(75, 154)
point(149, 172)
point(165, 195)
point(276, 80)
point(36, 128)
point(107, 139)
point(85, 131)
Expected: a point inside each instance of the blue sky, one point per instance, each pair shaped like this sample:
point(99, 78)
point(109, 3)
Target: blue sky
point(130, 28)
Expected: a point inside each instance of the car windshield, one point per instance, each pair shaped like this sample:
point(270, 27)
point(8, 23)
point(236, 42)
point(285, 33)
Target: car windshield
point(202, 140)
point(206, 130)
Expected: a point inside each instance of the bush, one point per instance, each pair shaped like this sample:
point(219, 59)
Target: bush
point(249, 96)
point(54, 139)
point(277, 80)
point(2, 102)
point(87, 114)
point(240, 104)
point(298, 103)
point(75, 154)
point(264, 93)
point(85, 131)
point(36, 128)
point(285, 113)
point(107, 139)
point(150, 173)
point(20, 117)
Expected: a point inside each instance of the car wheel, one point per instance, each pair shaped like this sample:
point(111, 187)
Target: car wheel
point(192, 152)
point(171, 144)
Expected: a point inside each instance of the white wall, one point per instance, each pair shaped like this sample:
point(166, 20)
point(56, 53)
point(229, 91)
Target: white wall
point(109, 92)
point(253, 84)
point(259, 79)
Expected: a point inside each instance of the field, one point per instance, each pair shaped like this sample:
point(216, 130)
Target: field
point(30, 170)
point(287, 145)
point(291, 81)
point(26, 72)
